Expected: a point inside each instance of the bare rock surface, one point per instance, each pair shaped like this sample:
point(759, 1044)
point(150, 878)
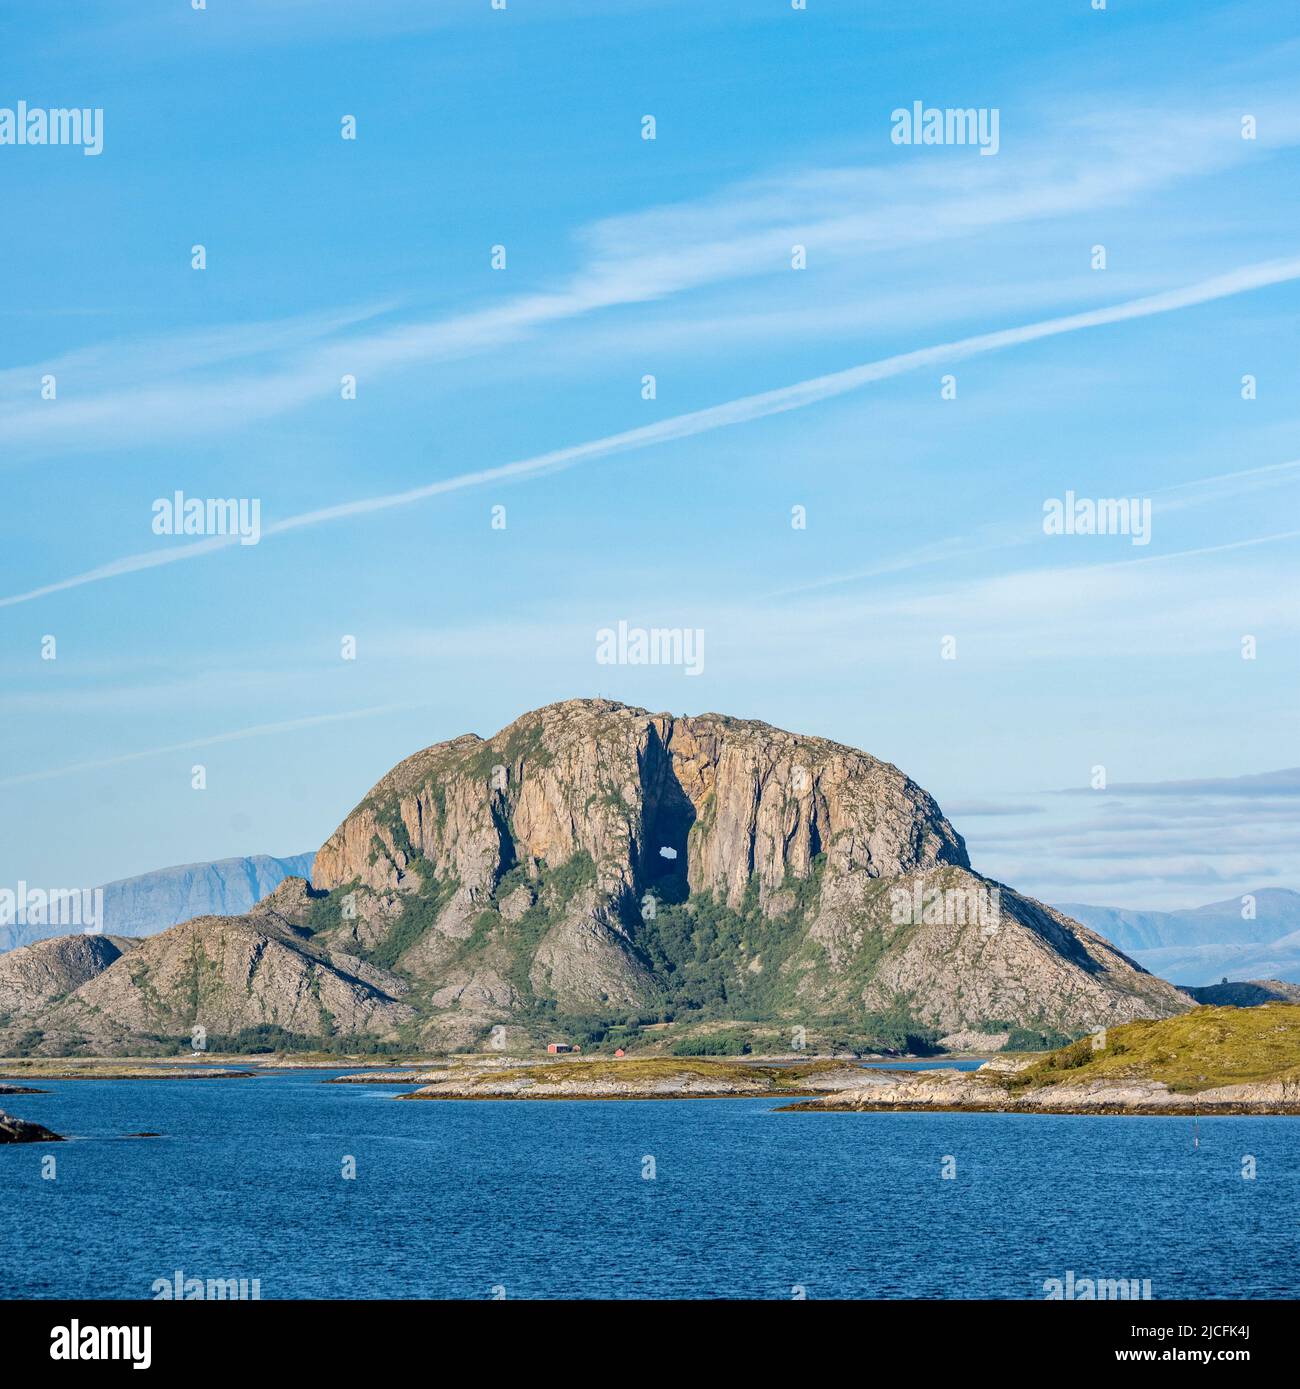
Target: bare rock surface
point(23, 1131)
point(750, 815)
point(970, 1040)
point(642, 1078)
point(34, 976)
point(980, 1091)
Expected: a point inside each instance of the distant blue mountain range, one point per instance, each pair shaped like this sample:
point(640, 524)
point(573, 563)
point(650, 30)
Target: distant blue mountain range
point(1202, 945)
point(150, 903)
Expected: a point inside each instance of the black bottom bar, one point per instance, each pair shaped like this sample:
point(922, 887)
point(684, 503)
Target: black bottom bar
point(336, 1338)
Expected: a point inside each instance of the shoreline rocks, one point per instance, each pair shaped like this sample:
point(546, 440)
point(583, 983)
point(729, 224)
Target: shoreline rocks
point(979, 1093)
point(130, 1073)
point(14, 1130)
point(650, 1078)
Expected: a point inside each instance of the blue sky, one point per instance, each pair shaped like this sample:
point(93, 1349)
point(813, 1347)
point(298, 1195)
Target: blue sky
point(671, 257)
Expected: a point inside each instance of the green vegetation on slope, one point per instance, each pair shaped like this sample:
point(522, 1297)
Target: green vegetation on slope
point(1199, 1050)
point(714, 964)
point(720, 963)
point(726, 962)
point(270, 1038)
point(419, 912)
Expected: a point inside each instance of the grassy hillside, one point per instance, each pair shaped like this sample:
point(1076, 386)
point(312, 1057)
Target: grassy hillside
point(1197, 1051)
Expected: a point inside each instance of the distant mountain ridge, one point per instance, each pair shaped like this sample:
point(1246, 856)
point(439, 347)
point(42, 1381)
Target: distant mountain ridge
point(151, 902)
point(1276, 914)
point(1201, 945)
point(1247, 993)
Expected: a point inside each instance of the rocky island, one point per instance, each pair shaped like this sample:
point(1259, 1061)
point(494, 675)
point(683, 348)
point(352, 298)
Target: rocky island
point(603, 1078)
point(1210, 1061)
point(22, 1131)
point(603, 873)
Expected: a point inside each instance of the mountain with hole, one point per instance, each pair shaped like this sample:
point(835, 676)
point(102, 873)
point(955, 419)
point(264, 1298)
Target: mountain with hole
point(600, 872)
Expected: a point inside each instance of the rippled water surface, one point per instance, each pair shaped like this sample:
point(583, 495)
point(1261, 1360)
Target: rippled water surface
point(548, 1198)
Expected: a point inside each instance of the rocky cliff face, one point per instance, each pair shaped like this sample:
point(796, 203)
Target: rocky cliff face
point(594, 838)
point(593, 858)
point(734, 799)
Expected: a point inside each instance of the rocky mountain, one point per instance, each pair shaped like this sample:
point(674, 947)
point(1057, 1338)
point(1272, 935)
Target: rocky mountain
point(151, 902)
point(37, 975)
point(1210, 964)
point(221, 974)
point(593, 860)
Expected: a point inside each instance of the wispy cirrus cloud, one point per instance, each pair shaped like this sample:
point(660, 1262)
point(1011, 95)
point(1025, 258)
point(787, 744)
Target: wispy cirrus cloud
point(212, 740)
point(164, 388)
point(103, 367)
point(1285, 782)
point(1181, 496)
point(740, 411)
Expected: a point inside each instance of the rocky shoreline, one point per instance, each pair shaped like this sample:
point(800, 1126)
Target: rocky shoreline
point(1211, 1061)
point(645, 1078)
point(51, 1070)
point(823, 1086)
point(23, 1131)
point(992, 1090)
point(827, 1086)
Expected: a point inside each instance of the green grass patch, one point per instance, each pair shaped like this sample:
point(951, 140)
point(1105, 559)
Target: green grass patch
point(1199, 1050)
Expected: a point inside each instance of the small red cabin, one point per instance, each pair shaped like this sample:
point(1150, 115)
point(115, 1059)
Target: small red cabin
point(555, 1048)
point(620, 1052)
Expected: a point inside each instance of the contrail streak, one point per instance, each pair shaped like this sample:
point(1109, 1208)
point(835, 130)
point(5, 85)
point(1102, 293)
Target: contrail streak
point(740, 411)
point(236, 735)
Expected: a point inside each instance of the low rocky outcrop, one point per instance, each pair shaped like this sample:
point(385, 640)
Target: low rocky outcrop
point(969, 1091)
point(1217, 1060)
point(642, 1078)
point(23, 1131)
point(979, 1042)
